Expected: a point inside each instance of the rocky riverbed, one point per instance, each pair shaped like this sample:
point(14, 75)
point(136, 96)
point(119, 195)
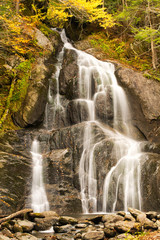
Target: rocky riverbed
point(27, 225)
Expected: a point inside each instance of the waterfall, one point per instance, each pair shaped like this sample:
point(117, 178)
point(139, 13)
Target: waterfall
point(39, 202)
point(125, 174)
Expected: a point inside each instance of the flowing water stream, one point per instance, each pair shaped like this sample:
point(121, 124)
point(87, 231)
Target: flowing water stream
point(125, 174)
point(39, 202)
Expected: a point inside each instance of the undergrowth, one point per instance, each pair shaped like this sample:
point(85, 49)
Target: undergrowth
point(124, 52)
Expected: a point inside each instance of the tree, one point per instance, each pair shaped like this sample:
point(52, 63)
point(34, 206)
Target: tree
point(142, 18)
point(83, 11)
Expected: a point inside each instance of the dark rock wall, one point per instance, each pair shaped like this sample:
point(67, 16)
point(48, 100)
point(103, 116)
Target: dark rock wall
point(61, 148)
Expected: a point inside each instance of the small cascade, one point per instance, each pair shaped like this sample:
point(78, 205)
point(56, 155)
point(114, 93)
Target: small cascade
point(97, 78)
point(39, 202)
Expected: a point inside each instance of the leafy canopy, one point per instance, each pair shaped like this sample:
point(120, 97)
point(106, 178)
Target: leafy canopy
point(84, 11)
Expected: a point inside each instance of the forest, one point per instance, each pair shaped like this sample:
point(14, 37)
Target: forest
point(127, 31)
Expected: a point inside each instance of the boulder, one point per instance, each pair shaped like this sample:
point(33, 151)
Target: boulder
point(42, 224)
point(26, 225)
point(25, 236)
point(63, 229)
point(127, 226)
point(67, 220)
point(109, 230)
point(96, 235)
point(151, 215)
point(111, 218)
point(135, 212)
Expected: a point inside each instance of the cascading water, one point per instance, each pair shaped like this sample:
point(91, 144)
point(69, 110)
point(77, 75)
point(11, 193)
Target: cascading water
point(39, 202)
point(126, 173)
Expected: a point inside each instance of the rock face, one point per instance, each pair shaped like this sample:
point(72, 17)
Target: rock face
point(144, 95)
point(63, 145)
point(68, 79)
point(32, 110)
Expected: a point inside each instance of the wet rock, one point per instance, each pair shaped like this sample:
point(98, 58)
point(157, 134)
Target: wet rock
point(45, 223)
point(104, 106)
point(143, 95)
point(63, 229)
point(97, 235)
point(112, 218)
point(77, 111)
point(149, 185)
point(68, 79)
point(26, 225)
point(67, 220)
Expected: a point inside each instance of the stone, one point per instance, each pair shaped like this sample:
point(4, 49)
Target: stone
point(125, 236)
point(109, 230)
point(148, 224)
point(81, 225)
point(141, 218)
point(121, 213)
point(151, 215)
point(67, 220)
point(43, 41)
point(96, 235)
point(129, 217)
point(46, 223)
point(3, 237)
point(112, 218)
point(7, 233)
point(17, 228)
point(63, 229)
point(95, 219)
point(51, 214)
point(135, 212)
point(26, 225)
point(127, 226)
point(25, 236)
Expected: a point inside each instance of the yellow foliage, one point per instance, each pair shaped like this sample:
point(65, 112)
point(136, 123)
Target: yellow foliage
point(84, 11)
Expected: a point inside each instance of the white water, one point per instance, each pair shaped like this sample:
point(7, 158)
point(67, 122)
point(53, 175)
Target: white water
point(122, 181)
point(39, 202)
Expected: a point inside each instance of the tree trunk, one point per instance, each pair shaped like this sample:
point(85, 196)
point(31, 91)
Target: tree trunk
point(153, 49)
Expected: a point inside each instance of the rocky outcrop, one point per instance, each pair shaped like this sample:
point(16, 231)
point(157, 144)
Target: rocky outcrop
point(32, 109)
point(68, 79)
point(144, 95)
